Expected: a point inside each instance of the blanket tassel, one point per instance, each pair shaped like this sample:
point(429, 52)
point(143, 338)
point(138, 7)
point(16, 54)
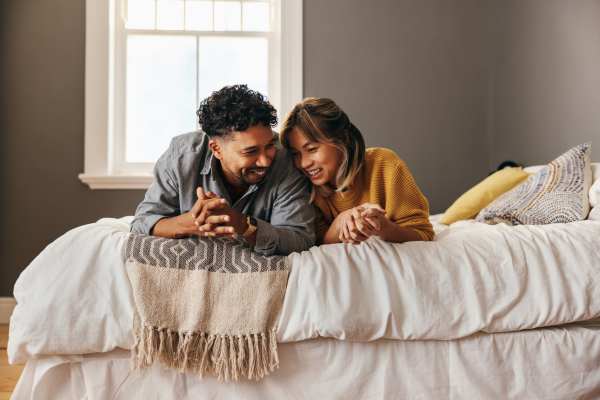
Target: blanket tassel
point(228, 357)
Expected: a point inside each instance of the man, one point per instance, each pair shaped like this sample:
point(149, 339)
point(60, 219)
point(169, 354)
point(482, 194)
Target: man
point(230, 179)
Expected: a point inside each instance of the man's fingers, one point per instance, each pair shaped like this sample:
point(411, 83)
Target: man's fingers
point(224, 230)
point(205, 228)
point(212, 204)
point(217, 219)
point(196, 208)
point(210, 230)
point(207, 207)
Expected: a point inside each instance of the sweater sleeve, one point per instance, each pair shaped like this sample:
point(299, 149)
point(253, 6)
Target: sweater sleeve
point(405, 204)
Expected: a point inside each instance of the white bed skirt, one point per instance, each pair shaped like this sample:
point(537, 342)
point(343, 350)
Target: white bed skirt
point(550, 363)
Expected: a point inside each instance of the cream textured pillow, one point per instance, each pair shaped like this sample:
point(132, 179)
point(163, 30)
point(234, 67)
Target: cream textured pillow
point(557, 193)
point(475, 199)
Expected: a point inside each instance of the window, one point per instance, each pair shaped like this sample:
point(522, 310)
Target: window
point(150, 62)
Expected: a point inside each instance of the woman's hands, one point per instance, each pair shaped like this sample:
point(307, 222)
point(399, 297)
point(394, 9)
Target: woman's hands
point(359, 223)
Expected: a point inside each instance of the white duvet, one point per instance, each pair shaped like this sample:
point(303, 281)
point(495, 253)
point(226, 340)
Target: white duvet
point(473, 277)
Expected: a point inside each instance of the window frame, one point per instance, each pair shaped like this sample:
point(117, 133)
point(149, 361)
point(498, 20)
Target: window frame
point(104, 109)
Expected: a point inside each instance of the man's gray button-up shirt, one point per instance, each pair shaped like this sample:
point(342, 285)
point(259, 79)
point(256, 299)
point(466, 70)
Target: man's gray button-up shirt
point(280, 203)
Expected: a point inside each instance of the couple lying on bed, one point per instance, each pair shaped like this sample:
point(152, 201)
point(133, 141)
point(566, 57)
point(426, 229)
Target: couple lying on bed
point(231, 179)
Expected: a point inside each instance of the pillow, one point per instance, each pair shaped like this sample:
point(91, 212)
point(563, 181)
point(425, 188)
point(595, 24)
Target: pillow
point(557, 193)
point(595, 189)
point(475, 199)
point(533, 169)
point(594, 214)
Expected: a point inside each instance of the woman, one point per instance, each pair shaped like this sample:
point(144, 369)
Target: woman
point(360, 192)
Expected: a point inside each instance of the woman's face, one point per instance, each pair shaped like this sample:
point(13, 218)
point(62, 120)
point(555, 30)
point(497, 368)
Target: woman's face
point(319, 161)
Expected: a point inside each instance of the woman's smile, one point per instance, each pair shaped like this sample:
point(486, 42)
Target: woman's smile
point(314, 172)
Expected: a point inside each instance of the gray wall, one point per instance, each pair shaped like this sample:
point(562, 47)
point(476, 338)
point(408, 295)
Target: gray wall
point(545, 95)
point(453, 86)
point(412, 75)
point(41, 132)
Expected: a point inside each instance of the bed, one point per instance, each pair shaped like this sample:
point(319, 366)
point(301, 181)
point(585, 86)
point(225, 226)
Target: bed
point(547, 363)
point(482, 312)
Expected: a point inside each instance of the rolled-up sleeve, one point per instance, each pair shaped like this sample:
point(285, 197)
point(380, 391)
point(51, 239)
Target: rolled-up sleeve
point(292, 219)
point(161, 199)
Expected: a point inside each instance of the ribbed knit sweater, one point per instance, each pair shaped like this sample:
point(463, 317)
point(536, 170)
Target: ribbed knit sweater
point(384, 180)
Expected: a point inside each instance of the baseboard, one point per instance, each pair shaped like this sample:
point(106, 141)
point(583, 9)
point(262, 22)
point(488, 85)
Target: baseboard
point(6, 308)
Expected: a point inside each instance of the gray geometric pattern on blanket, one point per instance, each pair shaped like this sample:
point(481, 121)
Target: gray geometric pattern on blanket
point(210, 254)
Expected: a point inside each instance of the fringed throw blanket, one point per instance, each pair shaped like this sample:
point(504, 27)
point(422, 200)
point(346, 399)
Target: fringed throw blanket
point(205, 305)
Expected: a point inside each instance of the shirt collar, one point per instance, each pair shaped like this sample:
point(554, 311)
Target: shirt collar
point(206, 169)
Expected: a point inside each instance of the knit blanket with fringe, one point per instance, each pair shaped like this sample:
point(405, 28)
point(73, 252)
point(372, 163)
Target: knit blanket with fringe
point(205, 305)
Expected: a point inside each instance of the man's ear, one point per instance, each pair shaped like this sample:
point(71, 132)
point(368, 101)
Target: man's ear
point(216, 147)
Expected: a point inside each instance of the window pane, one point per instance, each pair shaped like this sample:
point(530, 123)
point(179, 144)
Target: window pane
point(140, 14)
point(198, 15)
point(170, 14)
point(256, 16)
point(227, 61)
point(161, 93)
point(228, 16)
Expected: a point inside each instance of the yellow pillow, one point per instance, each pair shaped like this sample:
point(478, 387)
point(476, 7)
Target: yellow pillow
point(479, 196)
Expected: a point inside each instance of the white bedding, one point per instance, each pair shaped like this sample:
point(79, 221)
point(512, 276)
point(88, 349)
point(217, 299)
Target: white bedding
point(550, 363)
point(473, 277)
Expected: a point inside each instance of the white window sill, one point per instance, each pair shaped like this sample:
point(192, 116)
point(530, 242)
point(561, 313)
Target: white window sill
point(141, 181)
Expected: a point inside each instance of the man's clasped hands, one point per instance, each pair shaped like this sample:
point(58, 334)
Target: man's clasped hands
point(212, 216)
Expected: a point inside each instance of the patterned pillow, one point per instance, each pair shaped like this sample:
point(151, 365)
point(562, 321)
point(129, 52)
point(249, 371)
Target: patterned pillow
point(557, 193)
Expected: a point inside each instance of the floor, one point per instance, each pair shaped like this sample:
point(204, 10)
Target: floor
point(9, 374)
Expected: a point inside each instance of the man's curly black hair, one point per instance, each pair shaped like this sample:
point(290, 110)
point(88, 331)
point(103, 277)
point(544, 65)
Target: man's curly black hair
point(234, 108)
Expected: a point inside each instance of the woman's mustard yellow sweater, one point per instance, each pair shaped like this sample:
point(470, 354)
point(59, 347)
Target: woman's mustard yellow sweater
point(384, 180)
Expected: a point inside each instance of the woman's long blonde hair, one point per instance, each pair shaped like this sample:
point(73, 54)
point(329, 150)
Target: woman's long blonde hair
point(321, 120)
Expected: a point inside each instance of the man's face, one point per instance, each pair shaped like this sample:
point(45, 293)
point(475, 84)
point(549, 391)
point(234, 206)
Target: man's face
point(245, 156)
